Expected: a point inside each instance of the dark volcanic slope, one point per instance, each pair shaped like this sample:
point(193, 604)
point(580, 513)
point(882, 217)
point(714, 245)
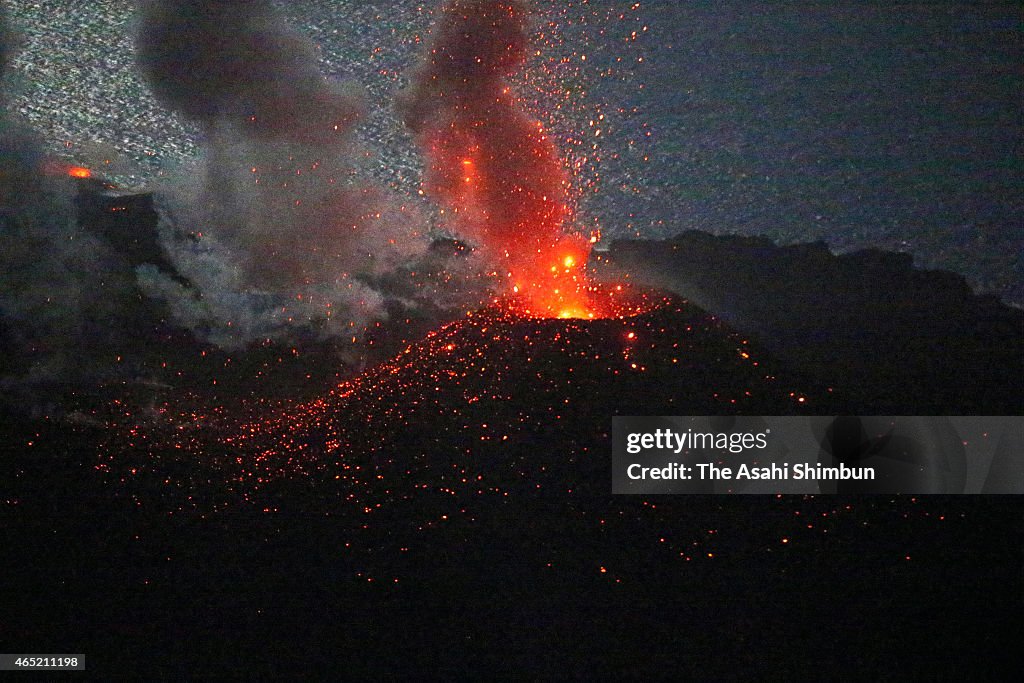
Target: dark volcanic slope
point(463, 508)
point(897, 340)
point(490, 403)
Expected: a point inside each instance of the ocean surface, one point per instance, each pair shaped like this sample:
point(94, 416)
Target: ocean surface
point(858, 123)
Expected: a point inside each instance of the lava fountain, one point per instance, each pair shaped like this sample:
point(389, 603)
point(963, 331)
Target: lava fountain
point(493, 170)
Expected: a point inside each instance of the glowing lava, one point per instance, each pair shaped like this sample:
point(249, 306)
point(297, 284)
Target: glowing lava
point(79, 172)
point(492, 168)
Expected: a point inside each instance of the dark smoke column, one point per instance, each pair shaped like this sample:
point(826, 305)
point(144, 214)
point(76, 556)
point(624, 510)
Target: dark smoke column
point(489, 165)
point(237, 61)
point(237, 69)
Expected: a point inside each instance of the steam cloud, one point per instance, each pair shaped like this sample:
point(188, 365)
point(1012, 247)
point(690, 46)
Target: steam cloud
point(488, 163)
point(271, 233)
point(288, 236)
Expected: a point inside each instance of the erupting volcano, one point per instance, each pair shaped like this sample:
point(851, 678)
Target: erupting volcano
point(491, 405)
point(493, 169)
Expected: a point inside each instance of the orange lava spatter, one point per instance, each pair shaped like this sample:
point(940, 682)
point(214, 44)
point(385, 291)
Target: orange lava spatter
point(493, 170)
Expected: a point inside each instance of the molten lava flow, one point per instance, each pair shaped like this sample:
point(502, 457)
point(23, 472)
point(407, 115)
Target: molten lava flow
point(492, 168)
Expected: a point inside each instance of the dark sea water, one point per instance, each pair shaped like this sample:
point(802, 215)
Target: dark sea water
point(896, 126)
point(861, 124)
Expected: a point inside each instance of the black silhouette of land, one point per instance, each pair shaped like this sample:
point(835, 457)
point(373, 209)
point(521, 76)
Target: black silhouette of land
point(893, 338)
point(448, 511)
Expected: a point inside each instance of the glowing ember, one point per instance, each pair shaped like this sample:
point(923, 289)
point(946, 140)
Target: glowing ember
point(565, 293)
point(453, 418)
point(79, 172)
point(493, 168)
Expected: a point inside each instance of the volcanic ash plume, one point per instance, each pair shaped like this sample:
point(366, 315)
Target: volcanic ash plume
point(236, 60)
point(279, 219)
point(489, 165)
